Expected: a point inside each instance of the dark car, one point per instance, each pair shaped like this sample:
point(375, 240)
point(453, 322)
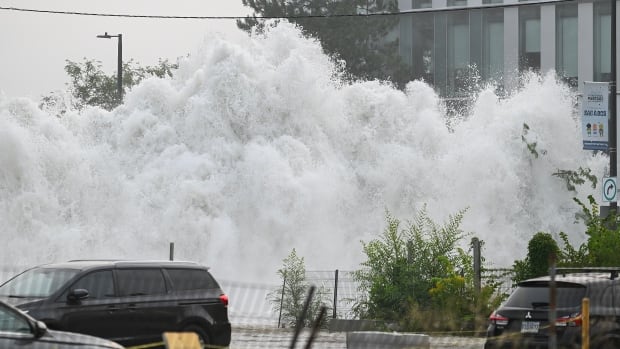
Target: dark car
point(523, 319)
point(129, 302)
point(18, 330)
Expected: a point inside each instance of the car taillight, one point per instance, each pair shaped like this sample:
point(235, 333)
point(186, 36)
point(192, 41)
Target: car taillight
point(572, 320)
point(224, 299)
point(497, 319)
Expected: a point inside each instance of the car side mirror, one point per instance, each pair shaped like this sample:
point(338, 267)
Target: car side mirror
point(40, 328)
point(77, 295)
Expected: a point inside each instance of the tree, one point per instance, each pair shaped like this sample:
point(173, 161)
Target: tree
point(89, 85)
point(355, 31)
point(290, 300)
point(537, 262)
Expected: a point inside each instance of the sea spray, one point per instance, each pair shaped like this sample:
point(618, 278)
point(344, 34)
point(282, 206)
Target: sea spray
point(254, 149)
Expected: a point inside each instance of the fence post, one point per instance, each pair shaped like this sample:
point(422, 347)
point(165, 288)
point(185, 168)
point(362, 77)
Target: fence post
point(335, 293)
point(477, 274)
point(477, 282)
point(585, 325)
point(282, 299)
point(553, 342)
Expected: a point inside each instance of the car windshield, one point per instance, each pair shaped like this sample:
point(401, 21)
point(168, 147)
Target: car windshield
point(536, 295)
point(37, 282)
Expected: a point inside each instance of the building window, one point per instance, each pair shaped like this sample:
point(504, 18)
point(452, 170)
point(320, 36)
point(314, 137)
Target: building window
point(602, 41)
point(458, 53)
point(529, 38)
point(489, 2)
point(421, 4)
point(456, 3)
point(493, 44)
point(405, 39)
point(566, 51)
point(422, 48)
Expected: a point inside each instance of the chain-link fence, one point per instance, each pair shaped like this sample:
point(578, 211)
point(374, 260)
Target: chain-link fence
point(501, 277)
point(250, 301)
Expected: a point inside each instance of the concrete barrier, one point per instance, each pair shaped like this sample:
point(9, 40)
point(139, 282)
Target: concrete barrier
point(385, 340)
point(351, 325)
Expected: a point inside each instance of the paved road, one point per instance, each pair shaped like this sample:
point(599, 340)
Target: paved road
point(248, 337)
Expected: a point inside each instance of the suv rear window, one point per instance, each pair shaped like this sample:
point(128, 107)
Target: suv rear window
point(140, 282)
point(191, 279)
point(536, 295)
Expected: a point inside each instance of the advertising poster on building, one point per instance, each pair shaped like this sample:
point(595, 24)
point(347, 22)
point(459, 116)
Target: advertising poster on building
point(595, 115)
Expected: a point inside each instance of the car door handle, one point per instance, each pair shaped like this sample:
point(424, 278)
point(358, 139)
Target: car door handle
point(112, 308)
point(132, 307)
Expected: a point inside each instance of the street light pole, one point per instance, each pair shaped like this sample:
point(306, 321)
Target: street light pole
point(613, 151)
point(119, 73)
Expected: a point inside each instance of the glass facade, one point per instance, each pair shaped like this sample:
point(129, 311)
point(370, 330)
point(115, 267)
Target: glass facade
point(448, 47)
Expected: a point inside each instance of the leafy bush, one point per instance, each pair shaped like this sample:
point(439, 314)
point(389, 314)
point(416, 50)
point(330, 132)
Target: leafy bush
point(420, 278)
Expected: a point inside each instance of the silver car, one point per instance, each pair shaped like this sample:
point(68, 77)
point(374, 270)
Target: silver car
point(19, 330)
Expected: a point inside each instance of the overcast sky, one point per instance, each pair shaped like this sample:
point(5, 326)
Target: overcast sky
point(34, 46)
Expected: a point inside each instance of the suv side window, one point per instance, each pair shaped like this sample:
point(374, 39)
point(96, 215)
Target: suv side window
point(140, 282)
point(191, 279)
point(100, 284)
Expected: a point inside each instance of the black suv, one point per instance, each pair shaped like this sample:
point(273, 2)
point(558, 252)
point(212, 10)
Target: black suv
point(129, 302)
point(523, 319)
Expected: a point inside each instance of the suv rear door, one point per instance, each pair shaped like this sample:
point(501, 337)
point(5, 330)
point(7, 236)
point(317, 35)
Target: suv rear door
point(143, 292)
point(198, 293)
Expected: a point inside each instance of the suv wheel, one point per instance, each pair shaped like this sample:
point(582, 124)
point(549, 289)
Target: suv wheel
point(202, 334)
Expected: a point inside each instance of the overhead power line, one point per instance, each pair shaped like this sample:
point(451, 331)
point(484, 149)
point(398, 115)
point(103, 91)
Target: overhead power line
point(374, 14)
point(17, 9)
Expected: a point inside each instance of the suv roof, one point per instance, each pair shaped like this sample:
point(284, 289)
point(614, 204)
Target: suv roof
point(84, 264)
point(583, 276)
point(578, 278)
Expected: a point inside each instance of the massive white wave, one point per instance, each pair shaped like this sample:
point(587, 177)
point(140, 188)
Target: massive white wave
point(256, 148)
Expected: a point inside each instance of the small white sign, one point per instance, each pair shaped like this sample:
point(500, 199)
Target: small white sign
point(610, 189)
